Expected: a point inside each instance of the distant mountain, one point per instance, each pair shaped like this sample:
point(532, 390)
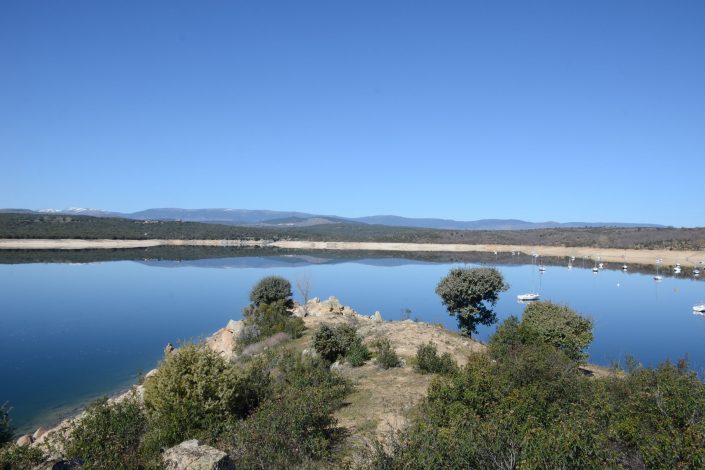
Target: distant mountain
point(269, 218)
point(485, 224)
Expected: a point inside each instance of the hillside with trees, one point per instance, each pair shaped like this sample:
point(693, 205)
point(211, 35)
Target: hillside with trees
point(23, 225)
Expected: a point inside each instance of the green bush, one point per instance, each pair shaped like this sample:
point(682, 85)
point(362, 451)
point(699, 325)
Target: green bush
point(109, 436)
point(296, 425)
point(268, 319)
point(357, 354)
point(559, 326)
point(6, 429)
point(14, 457)
point(197, 394)
point(288, 429)
point(386, 355)
point(428, 361)
point(271, 289)
point(544, 323)
point(334, 342)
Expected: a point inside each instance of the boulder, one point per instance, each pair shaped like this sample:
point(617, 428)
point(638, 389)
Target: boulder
point(25, 440)
point(377, 316)
point(223, 341)
point(235, 327)
point(310, 352)
point(38, 433)
point(192, 455)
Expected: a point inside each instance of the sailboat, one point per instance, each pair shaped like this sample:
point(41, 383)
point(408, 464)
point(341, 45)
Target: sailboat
point(528, 297)
point(699, 308)
point(595, 269)
point(624, 266)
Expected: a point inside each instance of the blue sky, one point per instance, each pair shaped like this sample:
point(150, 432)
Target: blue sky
point(580, 110)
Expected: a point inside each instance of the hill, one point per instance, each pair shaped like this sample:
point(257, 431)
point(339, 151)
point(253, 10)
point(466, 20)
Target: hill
point(267, 217)
point(52, 226)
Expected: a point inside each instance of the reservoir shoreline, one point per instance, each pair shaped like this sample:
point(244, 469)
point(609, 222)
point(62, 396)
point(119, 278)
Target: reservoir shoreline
point(642, 256)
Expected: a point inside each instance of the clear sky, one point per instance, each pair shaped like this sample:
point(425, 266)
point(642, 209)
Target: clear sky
point(563, 110)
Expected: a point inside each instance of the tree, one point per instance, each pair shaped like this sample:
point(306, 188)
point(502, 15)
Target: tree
point(470, 294)
point(270, 289)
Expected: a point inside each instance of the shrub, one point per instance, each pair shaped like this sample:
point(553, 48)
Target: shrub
point(14, 457)
point(386, 355)
point(544, 323)
point(108, 436)
point(357, 354)
point(249, 334)
point(559, 326)
point(265, 320)
point(292, 428)
point(428, 361)
point(334, 342)
point(197, 394)
point(6, 428)
point(295, 426)
point(271, 289)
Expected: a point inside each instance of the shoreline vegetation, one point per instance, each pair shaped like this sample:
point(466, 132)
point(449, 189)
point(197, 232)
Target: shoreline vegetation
point(640, 256)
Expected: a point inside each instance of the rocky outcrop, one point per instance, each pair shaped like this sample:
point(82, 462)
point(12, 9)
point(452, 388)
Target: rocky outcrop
point(192, 455)
point(24, 440)
point(224, 340)
point(317, 308)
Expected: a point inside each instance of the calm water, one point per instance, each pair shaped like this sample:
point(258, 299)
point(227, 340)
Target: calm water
point(72, 332)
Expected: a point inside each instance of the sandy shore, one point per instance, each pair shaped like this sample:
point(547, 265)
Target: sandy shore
point(668, 257)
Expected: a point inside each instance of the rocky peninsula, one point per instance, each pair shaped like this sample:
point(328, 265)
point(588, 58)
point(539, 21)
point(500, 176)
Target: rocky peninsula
point(381, 401)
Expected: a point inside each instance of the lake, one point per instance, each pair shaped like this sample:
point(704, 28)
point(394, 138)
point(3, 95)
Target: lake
point(72, 332)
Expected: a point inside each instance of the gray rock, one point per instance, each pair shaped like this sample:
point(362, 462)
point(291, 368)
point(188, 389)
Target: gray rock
point(337, 366)
point(192, 455)
point(309, 352)
point(377, 316)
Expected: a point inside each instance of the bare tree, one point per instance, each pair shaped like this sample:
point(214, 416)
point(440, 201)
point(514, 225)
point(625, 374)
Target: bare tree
point(303, 285)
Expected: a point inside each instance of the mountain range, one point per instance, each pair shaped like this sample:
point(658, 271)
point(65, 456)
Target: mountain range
point(268, 218)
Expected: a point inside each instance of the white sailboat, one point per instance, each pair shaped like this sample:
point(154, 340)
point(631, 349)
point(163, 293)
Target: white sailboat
point(530, 296)
point(699, 308)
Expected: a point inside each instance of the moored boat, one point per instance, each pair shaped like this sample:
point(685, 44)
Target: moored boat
point(527, 297)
